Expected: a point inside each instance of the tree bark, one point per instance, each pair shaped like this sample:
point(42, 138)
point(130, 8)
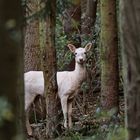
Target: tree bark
point(32, 58)
point(11, 71)
point(130, 40)
point(109, 56)
point(49, 65)
point(88, 17)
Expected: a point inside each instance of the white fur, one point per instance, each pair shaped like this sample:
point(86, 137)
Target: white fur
point(68, 82)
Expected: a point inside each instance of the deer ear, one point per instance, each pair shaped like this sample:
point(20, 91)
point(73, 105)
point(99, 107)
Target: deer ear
point(71, 47)
point(88, 47)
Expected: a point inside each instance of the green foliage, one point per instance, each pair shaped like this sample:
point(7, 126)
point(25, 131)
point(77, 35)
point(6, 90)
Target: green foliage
point(116, 133)
point(61, 5)
point(108, 126)
point(113, 132)
point(70, 135)
point(73, 136)
point(75, 24)
point(5, 111)
point(63, 55)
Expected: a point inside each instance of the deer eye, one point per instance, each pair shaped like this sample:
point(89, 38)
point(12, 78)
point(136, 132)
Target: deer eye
point(75, 54)
point(85, 53)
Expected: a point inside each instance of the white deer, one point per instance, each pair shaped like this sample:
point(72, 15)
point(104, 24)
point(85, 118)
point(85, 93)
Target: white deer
point(69, 83)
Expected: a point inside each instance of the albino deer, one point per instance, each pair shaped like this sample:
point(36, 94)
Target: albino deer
point(69, 83)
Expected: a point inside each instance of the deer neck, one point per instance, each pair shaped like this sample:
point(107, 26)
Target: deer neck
point(80, 71)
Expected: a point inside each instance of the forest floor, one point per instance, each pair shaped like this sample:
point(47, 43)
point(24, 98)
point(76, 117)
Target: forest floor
point(88, 121)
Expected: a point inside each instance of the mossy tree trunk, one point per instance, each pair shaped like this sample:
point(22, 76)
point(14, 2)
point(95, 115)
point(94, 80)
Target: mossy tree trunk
point(130, 41)
point(109, 56)
point(32, 58)
point(11, 71)
point(49, 69)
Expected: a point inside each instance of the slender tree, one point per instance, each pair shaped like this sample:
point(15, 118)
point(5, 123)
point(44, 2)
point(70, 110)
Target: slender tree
point(130, 40)
point(49, 65)
point(109, 55)
point(11, 71)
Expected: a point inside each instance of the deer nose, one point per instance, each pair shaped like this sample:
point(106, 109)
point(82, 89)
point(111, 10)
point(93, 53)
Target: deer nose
point(81, 60)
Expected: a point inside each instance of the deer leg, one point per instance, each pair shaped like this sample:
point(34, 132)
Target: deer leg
point(65, 110)
point(28, 101)
point(28, 127)
point(70, 114)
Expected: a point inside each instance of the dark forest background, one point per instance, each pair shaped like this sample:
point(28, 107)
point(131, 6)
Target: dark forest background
point(107, 106)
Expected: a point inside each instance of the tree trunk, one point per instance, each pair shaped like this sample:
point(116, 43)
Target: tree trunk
point(11, 71)
point(130, 40)
point(109, 56)
point(88, 17)
point(32, 58)
point(49, 65)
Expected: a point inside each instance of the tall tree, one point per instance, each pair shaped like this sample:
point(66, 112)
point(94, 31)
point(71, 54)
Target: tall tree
point(11, 71)
point(49, 69)
point(130, 40)
point(109, 55)
point(32, 51)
